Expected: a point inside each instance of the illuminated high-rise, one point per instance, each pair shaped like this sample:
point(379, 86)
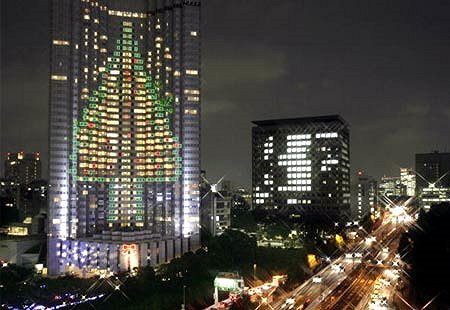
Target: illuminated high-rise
point(124, 133)
point(408, 179)
point(301, 167)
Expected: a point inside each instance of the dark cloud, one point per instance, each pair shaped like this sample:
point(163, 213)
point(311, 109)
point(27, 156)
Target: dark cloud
point(383, 65)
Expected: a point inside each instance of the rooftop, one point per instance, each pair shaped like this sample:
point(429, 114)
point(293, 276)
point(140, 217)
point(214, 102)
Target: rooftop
point(300, 120)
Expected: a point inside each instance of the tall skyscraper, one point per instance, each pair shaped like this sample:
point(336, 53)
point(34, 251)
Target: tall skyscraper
point(23, 168)
point(301, 167)
point(124, 133)
point(367, 195)
point(432, 168)
point(408, 179)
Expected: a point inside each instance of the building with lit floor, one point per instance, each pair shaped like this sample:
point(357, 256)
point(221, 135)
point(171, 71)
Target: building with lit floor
point(23, 168)
point(433, 195)
point(408, 179)
point(216, 203)
point(301, 167)
point(124, 133)
point(391, 187)
point(366, 196)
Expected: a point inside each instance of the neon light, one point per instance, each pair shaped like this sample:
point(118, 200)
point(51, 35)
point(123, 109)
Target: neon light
point(129, 107)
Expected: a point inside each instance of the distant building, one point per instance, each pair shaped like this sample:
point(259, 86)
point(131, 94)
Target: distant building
point(10, 202)
point(432, 168)
point(35, 198)
point(11, 190)
point(432, 195)
point(301, 167)
point(215, 207)
point(391, 187)
point(408, 179)
point(367, 195)
point(19, 202)
point(23, 168)
point(242, 200)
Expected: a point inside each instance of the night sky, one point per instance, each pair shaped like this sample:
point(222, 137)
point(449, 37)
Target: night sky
point(383, 65)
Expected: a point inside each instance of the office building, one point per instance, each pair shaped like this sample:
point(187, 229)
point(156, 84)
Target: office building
point(432, 195)
point(391, 187)
point(366, 196)
point(432, 168)
point(124, 133)
point(408, 179)
point(23, 168)
point(300, 167)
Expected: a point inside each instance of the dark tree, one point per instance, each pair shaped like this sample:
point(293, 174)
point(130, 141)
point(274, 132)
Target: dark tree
point(427, 249)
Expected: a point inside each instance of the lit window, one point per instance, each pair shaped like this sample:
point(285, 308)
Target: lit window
point(191, 72)
point(193, 98)
point(191, 112)
point(60, 42)
point(59, 77)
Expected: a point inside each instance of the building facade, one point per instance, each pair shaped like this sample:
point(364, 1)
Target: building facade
point(216, 203)
point(432, 195)
point(391, 187)
point(432, 168)
point(301, 167)
point(408, 179)
point(366, 196)
point(124, 133)
point(216, 212)
point(23, 168)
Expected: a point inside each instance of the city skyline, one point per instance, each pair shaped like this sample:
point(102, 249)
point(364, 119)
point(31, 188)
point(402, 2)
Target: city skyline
point(385, 77)
point(213, 154)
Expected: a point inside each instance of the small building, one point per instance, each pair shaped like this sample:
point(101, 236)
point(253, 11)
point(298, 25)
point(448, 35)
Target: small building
point(215, 208)
point(366, 196)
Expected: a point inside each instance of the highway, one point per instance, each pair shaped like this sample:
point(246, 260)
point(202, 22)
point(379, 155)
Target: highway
point(350, 293)
point(361, 278)
point(349, 280)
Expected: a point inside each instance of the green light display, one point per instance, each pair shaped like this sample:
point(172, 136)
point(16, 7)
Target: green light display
point(124, 132)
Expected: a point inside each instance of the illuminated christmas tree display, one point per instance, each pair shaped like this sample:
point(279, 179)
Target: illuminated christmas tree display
point(124, 136)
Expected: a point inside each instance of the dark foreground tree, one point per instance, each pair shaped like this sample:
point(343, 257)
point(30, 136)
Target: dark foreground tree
point(426, 247)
